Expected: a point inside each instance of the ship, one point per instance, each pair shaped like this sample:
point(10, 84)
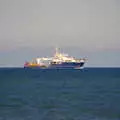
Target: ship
point(58, 61)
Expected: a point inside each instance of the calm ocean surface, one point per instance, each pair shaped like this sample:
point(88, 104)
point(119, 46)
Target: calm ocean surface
point(88, 94)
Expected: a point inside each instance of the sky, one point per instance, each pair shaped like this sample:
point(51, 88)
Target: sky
point(81, 28)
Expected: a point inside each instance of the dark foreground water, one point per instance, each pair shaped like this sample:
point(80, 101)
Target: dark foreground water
point(88, 94)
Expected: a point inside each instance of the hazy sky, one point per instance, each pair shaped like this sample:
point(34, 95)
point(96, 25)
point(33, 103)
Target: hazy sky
point(82, 28)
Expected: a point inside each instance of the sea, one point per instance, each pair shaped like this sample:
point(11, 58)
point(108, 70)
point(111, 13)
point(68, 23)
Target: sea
point(60, 94)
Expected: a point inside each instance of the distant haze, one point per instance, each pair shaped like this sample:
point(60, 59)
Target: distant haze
point(82, 28)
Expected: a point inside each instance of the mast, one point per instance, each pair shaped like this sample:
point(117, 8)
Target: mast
point(57, 51)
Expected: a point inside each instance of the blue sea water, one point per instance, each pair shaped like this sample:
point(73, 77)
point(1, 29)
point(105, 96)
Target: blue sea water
point(34, 94)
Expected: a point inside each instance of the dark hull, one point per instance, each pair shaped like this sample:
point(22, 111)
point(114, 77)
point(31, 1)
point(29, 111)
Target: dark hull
point(64, 65)
point(67, 65)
